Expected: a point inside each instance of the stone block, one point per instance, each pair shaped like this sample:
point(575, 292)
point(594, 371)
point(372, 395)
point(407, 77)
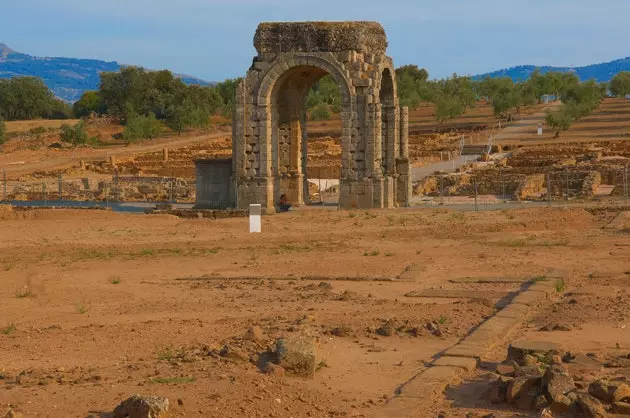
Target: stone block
point(466, 363)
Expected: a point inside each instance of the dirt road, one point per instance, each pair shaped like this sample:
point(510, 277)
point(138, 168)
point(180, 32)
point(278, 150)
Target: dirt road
point(26, 162)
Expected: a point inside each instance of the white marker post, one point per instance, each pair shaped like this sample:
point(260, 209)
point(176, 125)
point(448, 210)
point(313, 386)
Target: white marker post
point(540, 129)
point(255, 222)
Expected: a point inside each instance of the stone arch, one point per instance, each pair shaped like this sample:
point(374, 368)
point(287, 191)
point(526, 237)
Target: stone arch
point(283, 90)
point(269, 134)
point(287, 62)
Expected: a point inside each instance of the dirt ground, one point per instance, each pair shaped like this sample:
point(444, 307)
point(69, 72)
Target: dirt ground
point(97, 306)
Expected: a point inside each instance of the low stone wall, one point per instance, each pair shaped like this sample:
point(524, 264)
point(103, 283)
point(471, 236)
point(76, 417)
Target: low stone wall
point(532, 186)
point(201, 214)
point(591, 183)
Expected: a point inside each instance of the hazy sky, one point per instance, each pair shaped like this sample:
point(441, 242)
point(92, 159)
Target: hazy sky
point(213, 39)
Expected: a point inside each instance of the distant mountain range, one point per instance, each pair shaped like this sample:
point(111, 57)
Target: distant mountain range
point(68, 78)
point(603, 72)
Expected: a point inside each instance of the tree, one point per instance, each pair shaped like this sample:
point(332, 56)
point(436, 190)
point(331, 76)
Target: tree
point(412, 85)
point(3, 132)
point(138, 91)
point(23, 98)
point(142, 127)
point(192, 107)
point(75, 135)
point(620, 84)
point(448, 108)
point(560, 120)
point(90, 102)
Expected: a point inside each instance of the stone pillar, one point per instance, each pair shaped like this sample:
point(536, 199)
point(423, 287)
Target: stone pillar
point(404, 187)
point(165, 155)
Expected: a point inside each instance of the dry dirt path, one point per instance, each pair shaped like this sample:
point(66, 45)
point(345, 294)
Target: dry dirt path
point(525, 126)
point(19, 163)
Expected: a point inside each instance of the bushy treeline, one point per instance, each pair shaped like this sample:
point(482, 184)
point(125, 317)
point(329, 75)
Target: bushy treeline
point(147, 101)
point(24, 98)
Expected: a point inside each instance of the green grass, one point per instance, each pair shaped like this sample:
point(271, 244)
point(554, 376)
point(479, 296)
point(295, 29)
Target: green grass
point(389, 254)
point(145, 252)
point(542, 278)
point(168, 353)
point(372, 253)
point(114, 280)
point(443, 319)
point(213, 250)
point(80, 308)
point(92, 254)
point(23, 293)
point(285, 248)
point(8, 329)
point(560, 285)
point(172, 380)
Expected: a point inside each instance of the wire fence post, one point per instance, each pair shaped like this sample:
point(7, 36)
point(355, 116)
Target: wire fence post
point(44, 194)
point(566, 173)
point(548, 189)
point(442, 189)
point(475, 190)
point(625, 183)
point(60, 182)
point(4, 178)
point(172, 185)
point(116, 189)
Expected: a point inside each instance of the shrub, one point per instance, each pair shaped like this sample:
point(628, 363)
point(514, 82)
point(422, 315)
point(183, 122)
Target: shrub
point(320, 112)
point(3, 130)
point(142, 127)
point(75, 135)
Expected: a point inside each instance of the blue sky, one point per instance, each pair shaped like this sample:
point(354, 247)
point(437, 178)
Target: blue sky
point(213, 39)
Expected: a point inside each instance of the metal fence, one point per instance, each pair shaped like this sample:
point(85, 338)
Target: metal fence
point(480, 191)
point(115, 188)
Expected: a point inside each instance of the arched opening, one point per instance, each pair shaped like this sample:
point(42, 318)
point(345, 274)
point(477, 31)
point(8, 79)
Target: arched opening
point(302, 168)
point(389, 134)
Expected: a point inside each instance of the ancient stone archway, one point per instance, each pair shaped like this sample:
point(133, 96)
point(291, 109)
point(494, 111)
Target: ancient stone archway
point(269, 127)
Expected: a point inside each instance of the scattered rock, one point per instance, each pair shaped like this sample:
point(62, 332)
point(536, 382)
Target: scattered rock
point(556, 327)
point(618, 363)
point(556, 360)
point(342, 331)
point(274, 370)
point(540, 402)
point(621, 408)
point(296, 356)
point(387, 329)
point(497, 392)
point(14, 414)
point(527, 371)
point(255, 333)
point(233, 353)
point(523, 391)
point(546, 413)
point(590, 406)
point(142, 407)
point(325, 285)
point(530, 360)
point(610, 392)
point(558, 383)
point(622, 393)
point(518, 350)
point(506, 370)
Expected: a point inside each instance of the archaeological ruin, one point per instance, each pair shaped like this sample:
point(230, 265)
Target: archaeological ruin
point(269, 127)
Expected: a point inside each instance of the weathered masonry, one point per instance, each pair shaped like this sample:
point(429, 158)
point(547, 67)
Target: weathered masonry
point(269, 126)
